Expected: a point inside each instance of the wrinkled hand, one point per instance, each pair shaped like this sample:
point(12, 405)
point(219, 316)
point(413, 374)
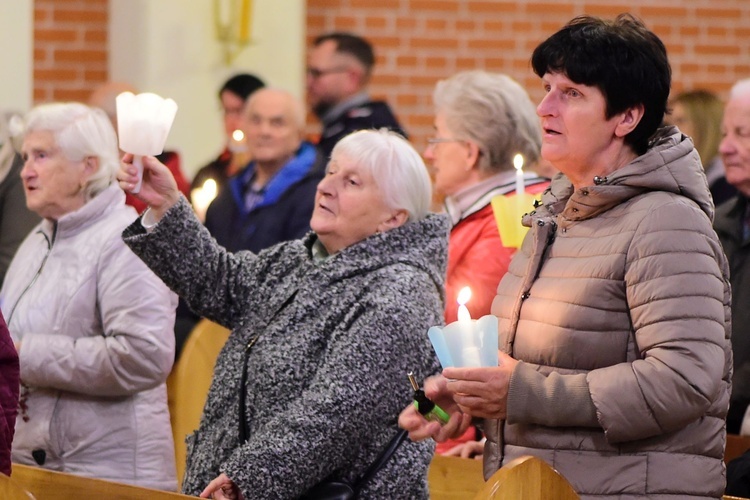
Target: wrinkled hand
point(469, 449)
point(482, 392)
point(420, 428)
point(222, 488)
point(158, 190)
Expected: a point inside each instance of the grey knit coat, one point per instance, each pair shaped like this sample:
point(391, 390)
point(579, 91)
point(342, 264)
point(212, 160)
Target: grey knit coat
point(326, 378)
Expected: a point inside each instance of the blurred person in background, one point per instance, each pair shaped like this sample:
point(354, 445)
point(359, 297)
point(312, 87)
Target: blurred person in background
point(732, 224)
point(482, 120)
point(698, 114)
point(210, 179)
point(16, 220)
point(339, 68)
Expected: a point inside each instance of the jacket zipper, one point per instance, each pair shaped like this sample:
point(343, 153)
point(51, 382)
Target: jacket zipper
point(50, 242)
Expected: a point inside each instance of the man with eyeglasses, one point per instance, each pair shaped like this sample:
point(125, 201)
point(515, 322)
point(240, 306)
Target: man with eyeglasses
point(338, 71)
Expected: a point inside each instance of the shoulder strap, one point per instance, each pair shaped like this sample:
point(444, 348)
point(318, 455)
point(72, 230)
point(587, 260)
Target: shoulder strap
point(379, 462)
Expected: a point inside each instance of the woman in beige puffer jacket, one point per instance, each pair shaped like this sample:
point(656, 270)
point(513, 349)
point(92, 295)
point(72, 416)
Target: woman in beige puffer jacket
point(614, 317)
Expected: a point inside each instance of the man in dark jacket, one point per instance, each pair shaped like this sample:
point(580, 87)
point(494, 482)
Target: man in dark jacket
point(732, 224)
point(339, 66)
point(271, 199)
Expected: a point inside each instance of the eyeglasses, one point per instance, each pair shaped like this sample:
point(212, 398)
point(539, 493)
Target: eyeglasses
point(432, 141)
point(316, 73)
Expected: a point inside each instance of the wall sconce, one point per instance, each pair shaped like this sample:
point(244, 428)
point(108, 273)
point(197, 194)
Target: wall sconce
point(233, 20)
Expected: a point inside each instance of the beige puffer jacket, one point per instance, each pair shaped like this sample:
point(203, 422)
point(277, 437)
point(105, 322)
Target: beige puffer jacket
point(96, 329)
point(618, 306)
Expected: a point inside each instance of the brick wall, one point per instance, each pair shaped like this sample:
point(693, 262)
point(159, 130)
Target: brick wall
point(70, 48)
point(421, 41)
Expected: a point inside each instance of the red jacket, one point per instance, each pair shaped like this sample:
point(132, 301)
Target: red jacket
point(478, 259)
point(9, 387)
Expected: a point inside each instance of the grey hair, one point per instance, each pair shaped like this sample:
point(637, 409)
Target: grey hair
point(740, 89)
point(495, 112)
point(80, 132)
point(397, 168)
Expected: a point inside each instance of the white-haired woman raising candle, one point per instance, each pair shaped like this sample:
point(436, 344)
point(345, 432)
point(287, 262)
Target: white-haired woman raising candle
point(324, 329)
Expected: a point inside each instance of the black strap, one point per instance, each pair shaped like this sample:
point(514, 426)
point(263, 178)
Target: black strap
point(379, 462)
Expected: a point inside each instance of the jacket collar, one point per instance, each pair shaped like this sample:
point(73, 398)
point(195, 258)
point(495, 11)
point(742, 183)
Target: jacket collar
point(300, 166)
point(671, 165)
point(96, 208)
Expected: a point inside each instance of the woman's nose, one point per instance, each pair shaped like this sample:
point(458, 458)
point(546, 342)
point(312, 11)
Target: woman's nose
point(545, 105)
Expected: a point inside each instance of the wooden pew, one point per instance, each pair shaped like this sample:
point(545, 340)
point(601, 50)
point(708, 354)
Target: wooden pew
point(527, 478)
point(11, 490)
point(452, 478)
point(50, 485)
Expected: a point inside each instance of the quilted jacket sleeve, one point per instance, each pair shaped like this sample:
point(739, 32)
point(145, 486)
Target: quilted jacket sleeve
point(677, 281)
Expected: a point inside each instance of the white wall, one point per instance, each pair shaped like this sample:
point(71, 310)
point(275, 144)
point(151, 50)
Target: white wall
point(169, 47)
point(16, 54)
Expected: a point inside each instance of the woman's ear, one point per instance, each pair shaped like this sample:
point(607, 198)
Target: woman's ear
point(397, 218)
point(90, 165)
point(629, 120)
point(472, 154)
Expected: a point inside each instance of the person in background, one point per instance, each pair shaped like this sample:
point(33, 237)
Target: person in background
point(482, 120)
point(614, 316)
point(732, 224)
point(324, 329)
point(104, 97)
point(92, 324)
point(15, 219)
point(698, 114)
point(9, 385)
point(272, 198)
point(233, 96)
point(339, 67)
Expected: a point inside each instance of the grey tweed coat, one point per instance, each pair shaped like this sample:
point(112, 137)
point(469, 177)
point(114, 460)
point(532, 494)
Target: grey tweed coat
point(326, 378)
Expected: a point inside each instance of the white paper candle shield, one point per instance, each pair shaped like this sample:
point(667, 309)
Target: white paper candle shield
point(143, 123)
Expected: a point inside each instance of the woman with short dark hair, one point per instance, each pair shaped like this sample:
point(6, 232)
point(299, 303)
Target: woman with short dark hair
point(615, 361)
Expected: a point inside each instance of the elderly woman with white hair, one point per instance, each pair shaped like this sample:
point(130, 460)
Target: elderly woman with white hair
point(92, 324)
point(324, 329)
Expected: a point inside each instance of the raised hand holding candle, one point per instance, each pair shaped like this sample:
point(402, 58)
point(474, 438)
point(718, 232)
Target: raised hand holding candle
point(143, 123)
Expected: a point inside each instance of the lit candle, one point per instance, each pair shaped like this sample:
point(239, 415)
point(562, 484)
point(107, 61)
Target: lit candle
point(463, 297)
point(202, 197)
point(518, 163)
point(245, 20)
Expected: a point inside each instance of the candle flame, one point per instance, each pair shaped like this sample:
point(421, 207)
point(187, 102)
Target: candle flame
point(518, 161)
point(464, 295)
point(238, 136)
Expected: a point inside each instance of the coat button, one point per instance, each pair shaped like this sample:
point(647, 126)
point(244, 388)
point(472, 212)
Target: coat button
point(565, 230)
point(540, 223)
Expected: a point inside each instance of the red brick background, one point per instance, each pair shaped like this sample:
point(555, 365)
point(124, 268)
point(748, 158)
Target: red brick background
point(421, 41)
point(70, 48)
